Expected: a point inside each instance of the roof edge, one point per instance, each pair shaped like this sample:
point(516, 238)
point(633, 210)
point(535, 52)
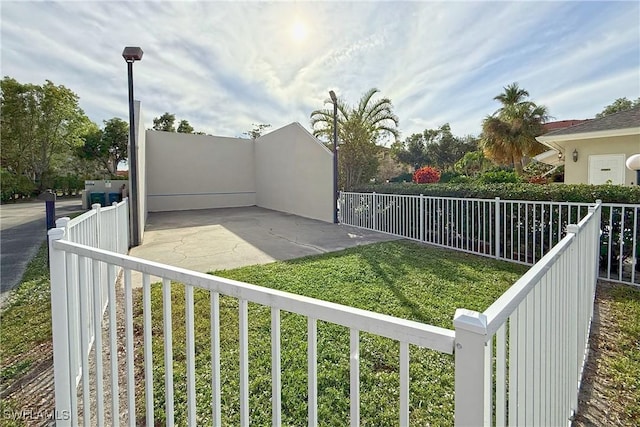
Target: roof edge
point(545, 139)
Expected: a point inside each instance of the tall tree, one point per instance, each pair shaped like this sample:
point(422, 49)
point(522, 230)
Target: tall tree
point(108, 146)
point(360, 129)
point(508, 135)
point(620, 104)
point(257, 130)
point(165, 123)
point(436, 147)
point(184, 127)
point(41, 126)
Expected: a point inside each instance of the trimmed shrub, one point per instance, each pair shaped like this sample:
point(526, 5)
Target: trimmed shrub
point(521, 191)
point(403, 177)
point(499, 176)
point(426, 175)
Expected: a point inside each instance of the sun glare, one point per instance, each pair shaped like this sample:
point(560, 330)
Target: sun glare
point(298, 31)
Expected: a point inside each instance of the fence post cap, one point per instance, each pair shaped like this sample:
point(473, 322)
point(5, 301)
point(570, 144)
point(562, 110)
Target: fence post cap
point(55, 233)
point(470, 320)
point(96, 206)
point(62, 222)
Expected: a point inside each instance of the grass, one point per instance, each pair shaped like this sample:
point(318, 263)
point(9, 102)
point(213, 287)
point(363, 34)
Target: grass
point(26, 318)
point(397, 278)
point(621, 366)
point(25, 324)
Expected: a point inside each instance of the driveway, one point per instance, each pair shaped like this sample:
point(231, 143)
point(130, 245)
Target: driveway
point(216, 239)
point(23, 228)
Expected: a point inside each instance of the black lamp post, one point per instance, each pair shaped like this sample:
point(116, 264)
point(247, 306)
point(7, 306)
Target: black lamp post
point(132, 54)
point(335, 155)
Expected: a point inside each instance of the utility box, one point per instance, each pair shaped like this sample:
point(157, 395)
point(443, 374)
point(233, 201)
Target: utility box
point(114, 197)
point(98, 198)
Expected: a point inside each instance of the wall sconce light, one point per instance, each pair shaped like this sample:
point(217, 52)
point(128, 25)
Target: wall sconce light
point(575, 155)
point(560, 155)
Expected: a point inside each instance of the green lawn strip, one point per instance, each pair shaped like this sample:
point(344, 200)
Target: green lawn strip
point(399, 278)
point(25, 321)
point(623, 369)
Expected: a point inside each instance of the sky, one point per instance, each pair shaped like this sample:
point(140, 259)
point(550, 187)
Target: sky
point(224, 66)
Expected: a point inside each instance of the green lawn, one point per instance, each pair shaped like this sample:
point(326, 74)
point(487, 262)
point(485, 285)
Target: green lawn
point(402, 279)
point(621, 363)
point(25, 325)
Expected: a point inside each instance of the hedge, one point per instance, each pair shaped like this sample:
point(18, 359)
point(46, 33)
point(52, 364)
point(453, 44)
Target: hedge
point(521, 191)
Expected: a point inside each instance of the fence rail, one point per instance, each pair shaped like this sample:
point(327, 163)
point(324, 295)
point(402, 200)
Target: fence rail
point(513, 230)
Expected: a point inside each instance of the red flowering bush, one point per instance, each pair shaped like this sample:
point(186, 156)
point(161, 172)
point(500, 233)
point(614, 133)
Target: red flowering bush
point(426, 175)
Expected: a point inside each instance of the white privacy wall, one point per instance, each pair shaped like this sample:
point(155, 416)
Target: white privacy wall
point(186, 171)
point(294, 173)
point(287, 170)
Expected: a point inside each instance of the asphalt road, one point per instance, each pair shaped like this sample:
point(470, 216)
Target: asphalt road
point(22, 230)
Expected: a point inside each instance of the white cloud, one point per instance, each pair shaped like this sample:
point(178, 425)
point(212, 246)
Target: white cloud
point(224, 66)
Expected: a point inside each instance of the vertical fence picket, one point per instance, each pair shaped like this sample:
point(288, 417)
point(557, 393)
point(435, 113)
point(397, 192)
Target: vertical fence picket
point(190, 351)
point(312, 370)
point(128, 314)
point(501, 376)
point(354, 376)
point(276, 369)
point(84, 337)
point(243, 308)
point(148, 355)
point(168, 350)
point(216, 401)
point(404, 383)
point(113, 345)
point(96, 288)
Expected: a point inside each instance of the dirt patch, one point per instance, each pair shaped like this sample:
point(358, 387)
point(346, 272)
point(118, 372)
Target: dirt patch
point(595, 406)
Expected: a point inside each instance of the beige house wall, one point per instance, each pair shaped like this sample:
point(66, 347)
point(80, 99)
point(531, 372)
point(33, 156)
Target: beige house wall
point(186, 171)
point(294, 173)
point(578, 172)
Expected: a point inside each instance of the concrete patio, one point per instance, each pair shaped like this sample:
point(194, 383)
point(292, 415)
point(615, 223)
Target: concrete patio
point(215, 239)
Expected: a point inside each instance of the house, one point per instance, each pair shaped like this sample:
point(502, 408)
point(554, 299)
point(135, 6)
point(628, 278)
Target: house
point(595, 151)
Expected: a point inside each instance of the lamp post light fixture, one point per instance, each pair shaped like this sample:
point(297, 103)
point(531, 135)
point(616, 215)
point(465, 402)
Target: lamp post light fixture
point(130, 55)
point(633, 163)
point(334, 99)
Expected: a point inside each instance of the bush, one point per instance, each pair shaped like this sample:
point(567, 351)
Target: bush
point(426, 175)
point(448, 176)
point(499, 176)
point(403, 177)
point(522, 191)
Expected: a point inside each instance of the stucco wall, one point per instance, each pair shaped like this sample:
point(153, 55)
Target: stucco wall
point(294, 173)
point(578, 172)
point(187, 171)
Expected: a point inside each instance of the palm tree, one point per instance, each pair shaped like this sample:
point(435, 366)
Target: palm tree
point(359, 128)
point(508, 135)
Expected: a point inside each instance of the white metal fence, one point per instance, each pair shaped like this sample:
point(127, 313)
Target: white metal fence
point(540, 325)
point(514, 230)
point(83, 307)
point(66, 255)
point(539, 330)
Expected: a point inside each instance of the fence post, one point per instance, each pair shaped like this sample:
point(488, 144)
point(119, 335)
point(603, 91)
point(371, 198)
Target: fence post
point(63, 384)
point(375, 210)
point(96, 207)
point(471, 336)
point(422, 215)
point(497, 227)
